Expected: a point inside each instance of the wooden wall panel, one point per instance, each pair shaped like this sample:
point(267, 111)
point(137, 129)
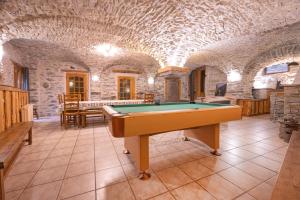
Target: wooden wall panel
point(14, 108)
point(7, 107)
point(11, 102)
point(2, 115)
point(254, 106)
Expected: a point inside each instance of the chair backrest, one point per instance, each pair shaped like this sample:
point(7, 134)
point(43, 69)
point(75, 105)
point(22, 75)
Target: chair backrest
point(60, 98)
point(149, 98)
point(71, 103)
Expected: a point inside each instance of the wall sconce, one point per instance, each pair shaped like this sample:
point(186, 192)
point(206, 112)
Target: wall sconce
point(150, 80)
point(95, 78)
point(234, 76)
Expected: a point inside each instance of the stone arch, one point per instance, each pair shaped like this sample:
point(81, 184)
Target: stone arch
point(19, 50)
point(208, 58)
point(276, 54)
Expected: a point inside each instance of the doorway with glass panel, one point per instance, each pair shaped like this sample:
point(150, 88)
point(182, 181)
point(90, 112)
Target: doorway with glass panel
point(77, 83)
point(126, 88)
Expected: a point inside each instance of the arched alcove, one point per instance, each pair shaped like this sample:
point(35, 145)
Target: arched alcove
point(278, 54)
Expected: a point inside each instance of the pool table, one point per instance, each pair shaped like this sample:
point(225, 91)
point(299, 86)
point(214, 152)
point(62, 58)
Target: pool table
point(136, 123)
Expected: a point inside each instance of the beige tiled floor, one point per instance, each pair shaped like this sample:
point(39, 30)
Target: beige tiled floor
point(88, 164)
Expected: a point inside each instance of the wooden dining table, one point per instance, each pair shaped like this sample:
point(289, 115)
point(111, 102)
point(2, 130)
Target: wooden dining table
point(89, 105)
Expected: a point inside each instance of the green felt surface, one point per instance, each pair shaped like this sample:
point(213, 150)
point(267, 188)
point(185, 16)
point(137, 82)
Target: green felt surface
point(163, 107)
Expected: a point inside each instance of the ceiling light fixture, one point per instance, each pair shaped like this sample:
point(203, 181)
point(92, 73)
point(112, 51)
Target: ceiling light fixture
point(107, 50)
point(234, 76)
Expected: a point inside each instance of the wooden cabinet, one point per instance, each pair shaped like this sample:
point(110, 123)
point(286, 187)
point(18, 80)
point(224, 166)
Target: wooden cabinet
point(254, 106)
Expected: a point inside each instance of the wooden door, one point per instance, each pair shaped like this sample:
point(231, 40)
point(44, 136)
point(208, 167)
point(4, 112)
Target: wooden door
point(172, 89)
point(126, 88)
point(77, 83)
point(197, 83)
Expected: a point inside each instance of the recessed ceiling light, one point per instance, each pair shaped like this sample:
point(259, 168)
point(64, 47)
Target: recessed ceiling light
point(107, 50)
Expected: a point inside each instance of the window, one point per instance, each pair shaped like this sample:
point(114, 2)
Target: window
point(126, 88)
point(77, 83)
point(280, 68)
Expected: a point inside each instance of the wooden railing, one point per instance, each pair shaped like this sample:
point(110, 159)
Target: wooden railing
point(11, 102)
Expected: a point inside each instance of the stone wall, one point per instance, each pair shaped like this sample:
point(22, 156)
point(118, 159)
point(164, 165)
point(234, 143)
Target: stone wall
point(7, 72)
point(292, 102)
point(46, 81)
point(269, 81)
point(213, 76)
point(276, 106)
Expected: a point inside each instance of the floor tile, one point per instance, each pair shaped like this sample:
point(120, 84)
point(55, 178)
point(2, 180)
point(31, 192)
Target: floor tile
point(195, 170)
point(244, 154)
point(17, 182)
point(196, 153)
point(160, 162)
point(61, 152)
point(256, 170)
point(107, 162)
point(214, 163)
point(165, 196)
point(267, 163)
point(274, 156)
point(231, 158)
point(272, 181)
point(240, 178)
point(80, 157)
point(77, 185)
point(109, 176)
point(86, 196)
point(20, 168)
point(42, 192)
point(262, 192)
point(179, 157)
point(14, 195)
point(34, 156)
point(116, 191)
point(55, 162)
point(220, 187)
point(245, 197)
point(144, 189)
point(191, 191)
point(49, 175)
point(173, 177)
point(84, 167)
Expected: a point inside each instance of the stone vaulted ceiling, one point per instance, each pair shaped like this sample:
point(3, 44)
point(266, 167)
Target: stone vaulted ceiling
point(223, 33)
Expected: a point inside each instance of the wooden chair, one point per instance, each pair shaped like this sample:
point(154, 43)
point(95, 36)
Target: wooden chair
point(149, 98)
point(71, 111)
point(60, 102)
point(91, 113)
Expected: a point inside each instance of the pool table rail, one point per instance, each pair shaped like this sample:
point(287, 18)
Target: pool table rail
point(145, 123)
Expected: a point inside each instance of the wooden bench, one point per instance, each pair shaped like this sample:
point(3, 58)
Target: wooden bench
point(11, 141)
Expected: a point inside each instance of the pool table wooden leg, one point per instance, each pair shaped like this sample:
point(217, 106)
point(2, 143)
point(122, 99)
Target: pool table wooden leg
point(209, 134)
point(138, 146)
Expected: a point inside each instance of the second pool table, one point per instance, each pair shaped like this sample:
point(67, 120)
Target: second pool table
point(136, 123)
